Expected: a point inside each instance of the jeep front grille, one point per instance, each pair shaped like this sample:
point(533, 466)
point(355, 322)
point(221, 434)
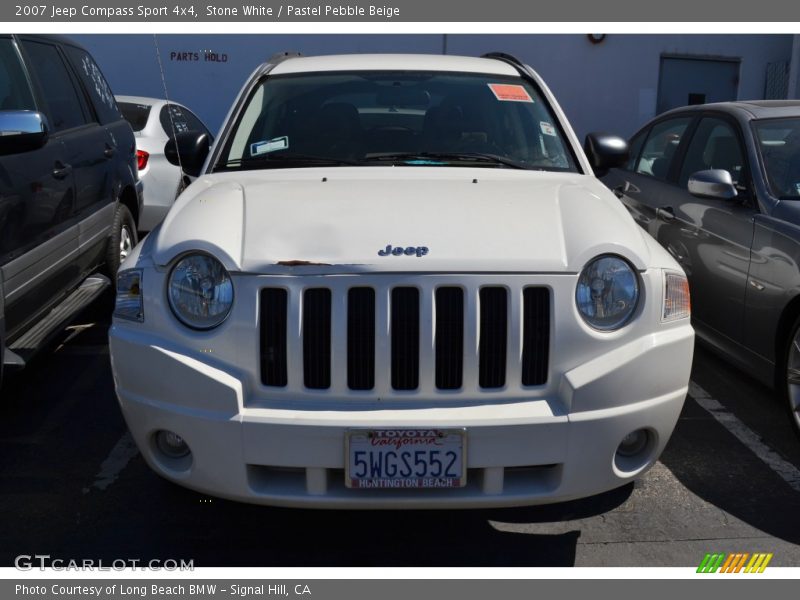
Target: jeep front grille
point(273, 337)
point(411, 338)
point(449, 337)
point(405, 338)
point(361, 338)
point(317, 338)
point(493, 337)
point(535, 335)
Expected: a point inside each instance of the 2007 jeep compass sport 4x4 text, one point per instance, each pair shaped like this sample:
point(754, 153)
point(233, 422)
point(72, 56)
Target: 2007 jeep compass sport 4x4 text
point(397, 282)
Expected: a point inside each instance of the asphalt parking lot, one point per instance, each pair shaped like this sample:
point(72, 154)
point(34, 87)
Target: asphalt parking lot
point(74, 487)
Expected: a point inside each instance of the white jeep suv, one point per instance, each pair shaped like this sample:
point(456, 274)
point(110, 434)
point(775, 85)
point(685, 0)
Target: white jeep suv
point(396, 283)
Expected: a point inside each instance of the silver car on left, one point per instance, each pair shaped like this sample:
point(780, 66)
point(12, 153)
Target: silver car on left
point(154, 122)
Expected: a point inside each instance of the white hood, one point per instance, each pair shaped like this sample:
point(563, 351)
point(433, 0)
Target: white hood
point(336, 220)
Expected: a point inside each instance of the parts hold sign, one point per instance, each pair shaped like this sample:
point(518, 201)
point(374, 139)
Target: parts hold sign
point(198, 56)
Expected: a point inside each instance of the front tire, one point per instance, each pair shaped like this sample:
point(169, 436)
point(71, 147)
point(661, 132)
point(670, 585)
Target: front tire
point(122, 240)
point(790, 377)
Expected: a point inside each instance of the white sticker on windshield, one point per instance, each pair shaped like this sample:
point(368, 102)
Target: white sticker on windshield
point(547, 128)
point(281, 143)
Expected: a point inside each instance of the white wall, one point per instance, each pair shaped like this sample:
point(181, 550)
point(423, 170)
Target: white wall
point(610, 86)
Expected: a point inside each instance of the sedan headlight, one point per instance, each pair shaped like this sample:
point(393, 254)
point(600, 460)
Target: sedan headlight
point(200, 291)
point(607, 293)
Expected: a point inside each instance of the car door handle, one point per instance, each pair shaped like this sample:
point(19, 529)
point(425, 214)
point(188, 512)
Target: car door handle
point(619, 191)
point(61, 170)
point(109, 152)
point(665, 213)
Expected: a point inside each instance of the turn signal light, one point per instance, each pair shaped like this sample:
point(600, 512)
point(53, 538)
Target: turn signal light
point(677, 304)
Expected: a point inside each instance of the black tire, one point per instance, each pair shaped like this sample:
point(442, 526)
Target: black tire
point(122, 240)
point(788, 377)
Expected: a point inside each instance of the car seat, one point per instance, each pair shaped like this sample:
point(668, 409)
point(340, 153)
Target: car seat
point(337, 132)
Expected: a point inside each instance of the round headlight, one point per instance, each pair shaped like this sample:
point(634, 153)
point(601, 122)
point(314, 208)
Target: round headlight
point(607, 293)
point(200, 291)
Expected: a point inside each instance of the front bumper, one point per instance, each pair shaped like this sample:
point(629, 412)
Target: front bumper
point(527, 450)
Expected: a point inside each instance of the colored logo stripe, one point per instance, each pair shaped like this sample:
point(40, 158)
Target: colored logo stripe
point(734, 563)
point(758, 563)
point(710, 563)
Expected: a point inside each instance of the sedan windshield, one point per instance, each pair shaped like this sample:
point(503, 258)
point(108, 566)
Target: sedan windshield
point(779, 145)
point(396, 118)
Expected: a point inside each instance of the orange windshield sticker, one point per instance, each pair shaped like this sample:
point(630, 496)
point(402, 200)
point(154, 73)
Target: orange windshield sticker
point(510, 93)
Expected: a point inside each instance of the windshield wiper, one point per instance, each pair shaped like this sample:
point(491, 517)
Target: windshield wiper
point(433, 157)
point(280, 160)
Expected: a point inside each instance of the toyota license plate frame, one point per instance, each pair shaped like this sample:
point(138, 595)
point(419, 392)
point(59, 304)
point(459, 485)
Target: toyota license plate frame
point(406, 458)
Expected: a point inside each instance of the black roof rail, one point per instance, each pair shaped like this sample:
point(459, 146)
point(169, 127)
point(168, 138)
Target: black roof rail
point(282, 56)
point(507, 58)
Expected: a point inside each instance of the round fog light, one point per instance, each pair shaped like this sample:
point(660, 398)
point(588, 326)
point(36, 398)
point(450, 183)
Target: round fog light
point(171, 444)
point(633, 443)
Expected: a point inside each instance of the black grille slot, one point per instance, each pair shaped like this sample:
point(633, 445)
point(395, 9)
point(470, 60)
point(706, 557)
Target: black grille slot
point(493, 337)
point(317, 338)
point(361, 338)
point(535, 335)
point(449, 337)
point(405, 338)
point(273, 337)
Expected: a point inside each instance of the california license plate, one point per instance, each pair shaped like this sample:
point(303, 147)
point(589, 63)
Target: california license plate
point(405, 458)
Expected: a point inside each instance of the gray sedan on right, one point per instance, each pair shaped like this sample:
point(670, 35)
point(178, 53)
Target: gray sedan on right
point(718, 185)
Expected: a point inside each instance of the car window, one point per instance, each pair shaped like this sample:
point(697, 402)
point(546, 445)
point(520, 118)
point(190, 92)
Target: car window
point(635, 146)
point(779, 146)
point(135, 114)
point(660, 147)
point(63, 106)
point(15, 92)
point(413, 119)
point(181, 119)
point(96, 85)
point(713, 146)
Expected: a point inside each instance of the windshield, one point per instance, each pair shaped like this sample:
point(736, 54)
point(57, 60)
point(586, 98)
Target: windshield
point(399, 118)
point(135, 114)
point(779, 145)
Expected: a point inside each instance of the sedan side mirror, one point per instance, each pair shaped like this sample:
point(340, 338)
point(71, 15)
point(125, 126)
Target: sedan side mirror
point(188, 150)
point(712, 183)
point(605, 151)
point(22, 131)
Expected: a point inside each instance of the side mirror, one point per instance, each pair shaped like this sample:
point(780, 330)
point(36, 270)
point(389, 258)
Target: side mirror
point(22, 131)
point(188, 150)
point(605, 151)
point(713, 183)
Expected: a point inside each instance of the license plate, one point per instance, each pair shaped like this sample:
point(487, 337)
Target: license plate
point(405, 458)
